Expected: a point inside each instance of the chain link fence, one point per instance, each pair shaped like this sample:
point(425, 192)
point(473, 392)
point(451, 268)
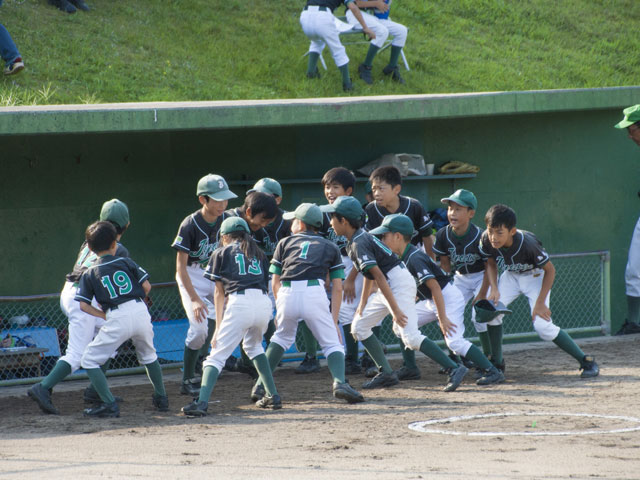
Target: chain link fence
point(34, 331)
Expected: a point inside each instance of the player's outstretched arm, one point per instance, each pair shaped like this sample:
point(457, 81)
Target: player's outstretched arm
point(491, 277)
point(367, 287)
point(446, 326)
point(336, 301)
point(146, 286)
point(445, 263)
point(428, 246)
point(218, 301)
point(275, 285)
point(91, 310)
point(349, 286)
point(398, 315)
point(540, 309)
point(199, 308)
point(358, 14)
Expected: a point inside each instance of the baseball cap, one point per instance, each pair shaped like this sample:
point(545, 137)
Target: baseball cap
point(267, 185)
point(215, 187)
point(309, 213)
point(487, 311)
point(462, 197)
point(348, 207)
point(115, 211)
point(631, 116)
point(234, 224)
point(396, 223)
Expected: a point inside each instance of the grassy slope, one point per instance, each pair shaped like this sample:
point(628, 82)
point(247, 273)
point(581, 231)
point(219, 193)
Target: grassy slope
point(144, 50)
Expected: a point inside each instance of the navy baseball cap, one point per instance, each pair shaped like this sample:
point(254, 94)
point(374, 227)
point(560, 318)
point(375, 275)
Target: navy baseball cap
point(309, 213)
point(631, 116)
point(462, 197)
point(234, 224)
point(396, 223)
point(267, 185)
point(214, 187)
point(115, 211)
point(348, 207)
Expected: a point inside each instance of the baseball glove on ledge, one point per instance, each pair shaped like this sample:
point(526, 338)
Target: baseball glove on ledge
point(454, 167)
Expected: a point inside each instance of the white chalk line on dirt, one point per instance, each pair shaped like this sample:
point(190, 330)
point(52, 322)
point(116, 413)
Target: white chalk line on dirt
point(422, 427)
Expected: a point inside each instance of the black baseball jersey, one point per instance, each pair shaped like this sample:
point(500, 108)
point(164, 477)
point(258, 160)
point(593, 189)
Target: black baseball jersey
point(366, 251)
point(231, 266)
point(259, 236)
point(332, 4)
point(464, 252)
point(329, 233)
point(198, 238)
point(410, 207)
point(87, 258)
point(112, 281)
point(276, 231)
point(422, 268)
point(306, 256)
point(526, 252)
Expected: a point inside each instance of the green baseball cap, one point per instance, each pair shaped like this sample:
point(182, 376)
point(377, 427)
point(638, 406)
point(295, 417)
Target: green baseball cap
point(348, 207)
point(309, 213)
point(115, 211)
point(234, 224)
point(631, 116)
point(215, 187)
point(462, 197)
point(396, 223)
point(267, 185)
point(487, 311)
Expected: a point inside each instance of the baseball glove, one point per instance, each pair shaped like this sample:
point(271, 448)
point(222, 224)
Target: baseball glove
point(454, 167)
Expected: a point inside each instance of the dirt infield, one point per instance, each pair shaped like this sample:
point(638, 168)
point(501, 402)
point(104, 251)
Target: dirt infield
point(315, 436)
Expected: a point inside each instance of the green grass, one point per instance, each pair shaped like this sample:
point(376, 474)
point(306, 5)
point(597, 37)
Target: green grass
point(178, 50)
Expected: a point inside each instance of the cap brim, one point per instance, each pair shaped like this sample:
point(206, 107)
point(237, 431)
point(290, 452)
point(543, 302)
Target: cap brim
point(329, 208)
point(289, 215)
point(222, 195)
point(379, 230)
point(624, 124)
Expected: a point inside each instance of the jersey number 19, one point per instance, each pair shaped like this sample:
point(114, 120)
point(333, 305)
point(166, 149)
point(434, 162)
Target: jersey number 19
point(121, 280)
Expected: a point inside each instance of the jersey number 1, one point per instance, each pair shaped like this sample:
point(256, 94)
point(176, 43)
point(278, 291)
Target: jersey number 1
point(121, 280)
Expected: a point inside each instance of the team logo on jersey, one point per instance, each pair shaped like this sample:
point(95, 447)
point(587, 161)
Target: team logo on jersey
point(463, 260)
point(205, 249)
point(178, 239)
point(339, 240)
point(365, 258)
point(514, 267)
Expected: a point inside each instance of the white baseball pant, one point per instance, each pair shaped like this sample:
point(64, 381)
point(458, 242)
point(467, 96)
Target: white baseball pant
point(403, 287)
point(131, 320)
point(197, 333)
point(632, 272)
point(382, 28)
point(319, 26)
point(469, 285)
point(246, 317)
point(348, 309)
point(310, 303)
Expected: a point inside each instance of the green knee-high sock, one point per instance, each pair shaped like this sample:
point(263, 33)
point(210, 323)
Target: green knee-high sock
point(59, 373)
point(266, 375)
point(633, 308)
point(478, 358)
point(335, 362)
point(408, 356)
point(351, 344)
point(485, 342)
point(105, 366)
point(99, 382)
point(245, 358)
point(211, 328)
point(271, 329)
point(310, 343)
point(209, 379)
point(344, 70)
point(374, 347)
point(189, 366)
point(312, 66)
point(435, 353)
point(274, 354)
point(371, 53)
point(376, 331)
point(566, 343)
point(395, 54)
point(154, 372)
point(495, 338)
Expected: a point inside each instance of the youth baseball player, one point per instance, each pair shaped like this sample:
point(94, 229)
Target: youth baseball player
point(527, 271)
point(119, 286)
point(439, 300)
point(458, 247)
point(83, 327)
point(631, 122)
point(300, 266)
point(197, 238)
point(240, 271)
point(376, 16)
point(318, 23)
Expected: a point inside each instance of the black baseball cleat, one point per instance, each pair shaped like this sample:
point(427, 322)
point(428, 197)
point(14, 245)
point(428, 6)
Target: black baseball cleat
point(344, 391)
point(365, 73)
point(257, 392)
point(347, 86)
point(314, 74)
point(42, 397)
point(63, 5)
point(408, 373)
point(491, 376)
point(589, 367)
point(308, 365)
point(195, 409)
point(91, 396)
point(270, 401)
point(80, 4)
point(382, 380)
point(455, 378)
point(190, 386)
point(371, 372)
point(104, 410)
point(395, 74)
point(366, 361)
point(628, 328)
point(161, 402)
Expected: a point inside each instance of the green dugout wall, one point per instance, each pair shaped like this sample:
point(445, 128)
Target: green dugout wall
point(552, 155)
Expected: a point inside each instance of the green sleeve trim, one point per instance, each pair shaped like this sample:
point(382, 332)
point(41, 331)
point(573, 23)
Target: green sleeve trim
point(339, 273)
point(275, 269)
point(366, 268)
